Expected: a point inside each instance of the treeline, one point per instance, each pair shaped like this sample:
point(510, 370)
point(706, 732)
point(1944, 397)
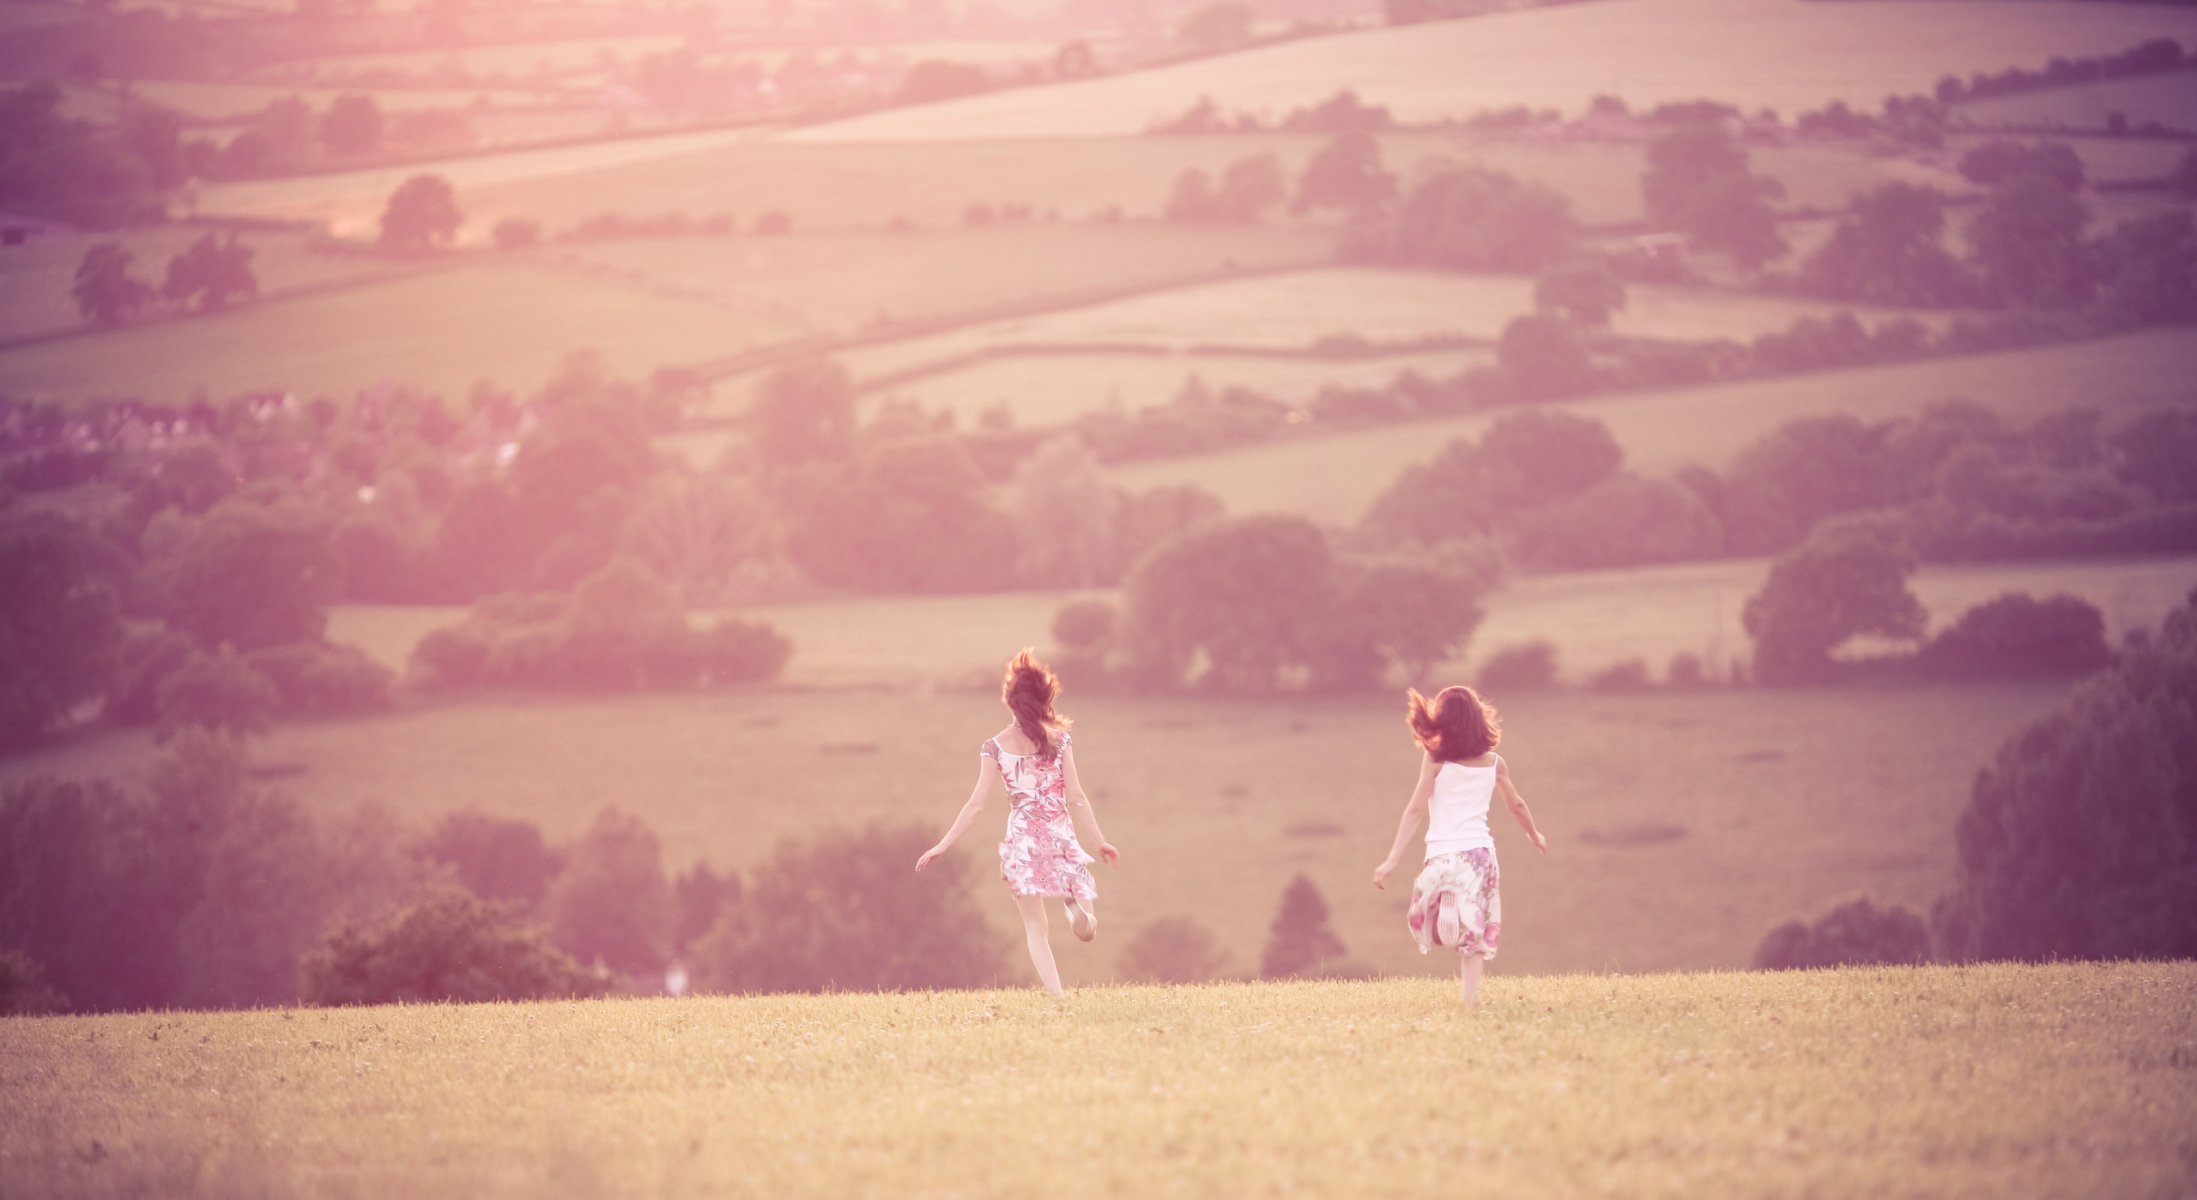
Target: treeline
point(2149, 57)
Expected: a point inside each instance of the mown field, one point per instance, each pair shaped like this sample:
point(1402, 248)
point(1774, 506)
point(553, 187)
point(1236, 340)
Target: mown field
point(1851, 1083)
point(1788, 56)
point(1334, 479)
point(520, 322)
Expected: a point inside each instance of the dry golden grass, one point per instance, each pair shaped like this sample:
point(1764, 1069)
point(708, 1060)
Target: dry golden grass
point(2008, 1081)
point(1335, 479)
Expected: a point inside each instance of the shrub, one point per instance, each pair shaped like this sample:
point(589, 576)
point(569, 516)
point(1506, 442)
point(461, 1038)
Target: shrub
point(1630, 675)
point(2017, 634)
point(1856, 933)
point(1300, 942)
point(1686, 671)
point(841, 910)
point(60, 623)
point(515, 233)
point(2079, 839)
point(221, 692)
point(23, 987)
point(736, 651)
point(1172, 949)
point(495, 858)
point(324, 680)
point(451, 945)
point(453, 656)
point(1086, 626)
point(611, 903)
point(1527, 667)
point(147, 659)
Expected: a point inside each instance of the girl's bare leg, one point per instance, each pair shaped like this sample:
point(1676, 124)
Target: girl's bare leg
point(1468, 979)
point(1034, 930)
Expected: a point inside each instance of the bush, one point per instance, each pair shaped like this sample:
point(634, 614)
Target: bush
point(1854, 934)
point(2079, 839)
point(1630, 675)
point(495, 858)
point(611, 904)
point(449, 946)
point(2016, 635)
point(841, 910)
point(1300, 942)
point(1528, 667)
point(23, 988)
point(736, 651)
point(516, 233)
point(1686, 671)
point(148, 659)
point(60, 622)
point(220, 692)
point(1172, 949)
point(1084, 626)
point(325, 680)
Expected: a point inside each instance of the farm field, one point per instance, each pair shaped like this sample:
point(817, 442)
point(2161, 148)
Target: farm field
point(1334, 479)
point(1216, 804)
point(35, 279)
point(845, 283)
point(1781, 54)
point(522, 322)
point(518, 60)
point(1297, 310)
point(2170, 99)
point(227, 101)
point(1854, 1082)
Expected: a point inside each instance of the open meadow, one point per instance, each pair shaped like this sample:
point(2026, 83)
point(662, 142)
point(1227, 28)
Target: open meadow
point(1787, 55)
point(1899, 1082)
point(1334, 479)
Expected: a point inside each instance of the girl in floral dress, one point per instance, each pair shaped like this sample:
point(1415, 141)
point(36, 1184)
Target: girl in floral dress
point(1040, 857)
point(1457, 899)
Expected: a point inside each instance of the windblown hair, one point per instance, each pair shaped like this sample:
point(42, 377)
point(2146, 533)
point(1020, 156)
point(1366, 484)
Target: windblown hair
point(1455, 725)
point(1029, 691)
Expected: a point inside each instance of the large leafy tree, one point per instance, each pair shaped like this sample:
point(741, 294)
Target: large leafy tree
point(60, 623)
point(1839, 584)
point(2027, 243)
point(1890, 250)
point(2080, 838)
point(211, 272)
point(1346, 174)
point(1698, 184)
point(1250, 596)
point(422, 216)
point(104, 289)
point(245, 573)
point(612, 902)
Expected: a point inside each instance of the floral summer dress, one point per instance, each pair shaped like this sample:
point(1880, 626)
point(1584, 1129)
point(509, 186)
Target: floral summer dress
point(1040, 855)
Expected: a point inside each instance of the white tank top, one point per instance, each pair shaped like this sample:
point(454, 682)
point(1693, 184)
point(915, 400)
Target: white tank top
point(1457, 814)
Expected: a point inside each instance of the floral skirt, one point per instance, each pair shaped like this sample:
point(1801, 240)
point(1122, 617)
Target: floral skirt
point(1456, 902)
point(1038, 865)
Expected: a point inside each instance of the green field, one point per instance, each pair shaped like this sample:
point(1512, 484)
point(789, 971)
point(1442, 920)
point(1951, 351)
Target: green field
point(509, 323)
point(1334, 479)
point(2170, 99)
point(2005, 1081)
point(1780, 54)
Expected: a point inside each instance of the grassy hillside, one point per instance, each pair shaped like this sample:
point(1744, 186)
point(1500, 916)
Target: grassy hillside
point(520, 319)
point(1783, 54)
point(2071, 1080)
point(1334, 479)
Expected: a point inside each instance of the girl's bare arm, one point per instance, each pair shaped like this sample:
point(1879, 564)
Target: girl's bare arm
point(986, 772)
point(1079, 806)
point(1517, 806)
point(1415, 812)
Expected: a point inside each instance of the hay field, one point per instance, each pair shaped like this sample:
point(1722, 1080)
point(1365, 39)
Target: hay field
point(521, 321)
point(229, 101)
point(1851, 1083)
point(35, 278)
point(845, 283)
point(1215, 805)
point(1787, 55)
point(2170, 99)
point(1334, 479)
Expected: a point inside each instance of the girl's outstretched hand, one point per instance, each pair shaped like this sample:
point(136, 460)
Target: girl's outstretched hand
point(1106, 851)
point(1540, 842)
point(1380, 875)
point(927, 856)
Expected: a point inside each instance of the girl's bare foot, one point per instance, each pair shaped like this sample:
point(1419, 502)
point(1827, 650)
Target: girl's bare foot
point(1081, 921)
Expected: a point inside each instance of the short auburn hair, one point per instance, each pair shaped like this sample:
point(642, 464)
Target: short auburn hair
point(1456, 724)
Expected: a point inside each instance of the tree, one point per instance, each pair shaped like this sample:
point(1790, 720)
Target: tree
point(1835, 586)
point(842, 911)
point(1248, 595)
point(1697, 183)
point(352, 125)
point(105, 291)
point(60, 621)
point(1525, 461)
point(1300, 942)
point(495, 858)
point(1346, 174)
point(1172, 949)
point(611, 904)
point(1854, 934)
point(699, 897)
point(1543, 358)
point(1221, 25)
point(1803, 471)
point(1249, 187)
point(220, 692)
point(2027, 243)
point(1471, 218)
point(1583, 293)
point(422, 216)
point(1889, 251)
point(210, 273)
point(2147, 270)
point(2017, 634)
point(1064, 507)
point(1414, 614)
point(909, 515)
point(801, 412)
point(243, 572)
point(448, 946)
point(1996, 161)
point(2154, 452)
point(2080, 836)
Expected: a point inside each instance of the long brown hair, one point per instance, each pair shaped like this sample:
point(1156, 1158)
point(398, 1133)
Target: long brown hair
point(1029, 691)
point(1457, 724)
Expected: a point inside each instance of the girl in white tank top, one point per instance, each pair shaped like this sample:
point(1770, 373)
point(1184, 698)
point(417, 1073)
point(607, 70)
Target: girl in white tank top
point(1457, 899)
